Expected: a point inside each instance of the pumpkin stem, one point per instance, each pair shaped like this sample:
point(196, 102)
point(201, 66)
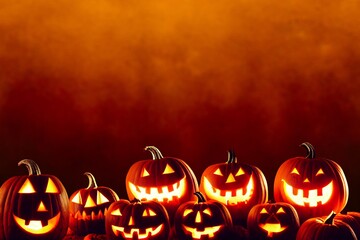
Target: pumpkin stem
point(200, 197)
point(92, 181)
point(135, 200)
point(310, 150)
point(231, 156)
point(155, 152)
point(32, 167)
point(330, 218)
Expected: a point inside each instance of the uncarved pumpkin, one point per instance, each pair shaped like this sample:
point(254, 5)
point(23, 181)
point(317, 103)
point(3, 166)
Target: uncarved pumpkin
point(34, 206)
point(314, 186)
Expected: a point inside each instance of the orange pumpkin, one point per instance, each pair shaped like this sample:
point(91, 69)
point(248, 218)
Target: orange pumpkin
point(238, 185)
point(165, 179)
point(273, 221)
point(202, 219)
point(314, 186)
point(88, 207)
point(34, 206)
point(325, 228)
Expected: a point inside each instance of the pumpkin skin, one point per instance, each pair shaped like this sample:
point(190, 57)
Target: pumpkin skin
point(137, 220)
point(352, 219)
point(273, 221)
point(239, 186)
point(326, 228)
point(202, 219)
point(88, 206)
point(165, 179)
point(314, 186)
point(34, 206)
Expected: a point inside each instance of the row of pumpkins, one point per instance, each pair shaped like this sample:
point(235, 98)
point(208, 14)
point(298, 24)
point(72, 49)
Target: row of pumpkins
point(167, 203)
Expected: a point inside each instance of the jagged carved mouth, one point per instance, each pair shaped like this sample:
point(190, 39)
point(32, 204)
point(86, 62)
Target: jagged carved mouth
point(162, 194)
point(92, 216)
point(37, 226)
point(311, 197)
point(208, 231)
point(272, 228)
point(230, 197)
point(140, 233)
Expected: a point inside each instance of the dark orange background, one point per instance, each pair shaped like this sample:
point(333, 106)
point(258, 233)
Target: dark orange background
point(86, 85)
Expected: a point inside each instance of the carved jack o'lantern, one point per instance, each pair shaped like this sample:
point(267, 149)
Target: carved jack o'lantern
point(202, 219)
point(33, 206)
point(273, 221)
point(88, 207)
point(137, 220)
point(165, 179)
point(237, 185)
point(314, 186)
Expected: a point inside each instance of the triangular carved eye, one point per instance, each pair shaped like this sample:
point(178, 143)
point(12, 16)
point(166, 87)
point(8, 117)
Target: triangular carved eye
point(116, 212)
point(218, 172)
point(77, 198)
point(148, 213)
point(101, 199)
point(240, 172)
point(263, 211)
point(207, 211)
point(89, 202)
point(295, 171)
point(320, 172)
point(280, 210)
point(51, 187)
point(187, 212)
point(145, 173)
point(168, 169)
point(27, 187)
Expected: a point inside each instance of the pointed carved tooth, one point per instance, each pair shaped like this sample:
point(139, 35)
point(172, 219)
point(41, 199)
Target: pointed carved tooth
point(77, 215)
point(100, 215)
point(84, 215)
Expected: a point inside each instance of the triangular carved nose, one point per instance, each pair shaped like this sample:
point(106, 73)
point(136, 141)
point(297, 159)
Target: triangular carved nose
point(230, 178)
point(306, 180)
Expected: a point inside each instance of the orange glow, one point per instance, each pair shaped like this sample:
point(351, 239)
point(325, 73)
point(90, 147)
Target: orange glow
point(101, 199)
point(116, 212)
point(187, 212)
point(77, 198)
point(42, 207)
point(208, 231)
point(168, 169)
point(241, 195)
point(230, 178)
point(312, 199)
point(272, 228)
point(90, 202)
point(145, 173)
point(240, 172)
point(36, 227)
point(198, 218)
point(51, 187)
point(218, 172)
point(130, 235)
point(27, 187)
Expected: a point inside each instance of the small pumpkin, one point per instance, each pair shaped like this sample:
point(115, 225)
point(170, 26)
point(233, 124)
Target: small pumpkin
point(202, 219)
point(273, 221)
point(165, 179)
point(352, 219)
point(137, 220)
point(34, 206)
point(238, 185)
point(327, 228)
point(88, 207)
point(314, 186)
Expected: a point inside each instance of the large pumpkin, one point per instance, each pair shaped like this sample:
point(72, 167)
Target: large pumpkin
point(34, 206)
point(88, 207)
point(273, 221)
point(314, 186)
point(202, 219)
point(238, 185)
point(326, 228)
point(165, 179)
point(137, 220)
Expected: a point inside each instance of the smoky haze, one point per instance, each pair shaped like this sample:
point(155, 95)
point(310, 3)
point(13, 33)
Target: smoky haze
point(86, 85)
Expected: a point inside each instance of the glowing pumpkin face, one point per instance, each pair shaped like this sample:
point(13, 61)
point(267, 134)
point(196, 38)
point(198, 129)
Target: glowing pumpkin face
point(239, 186)
point(273, 221)
point(137, 220)
point(314, 186)
point(167, 180)
point(34, 206)
point(88, 207)
point(202, 219)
